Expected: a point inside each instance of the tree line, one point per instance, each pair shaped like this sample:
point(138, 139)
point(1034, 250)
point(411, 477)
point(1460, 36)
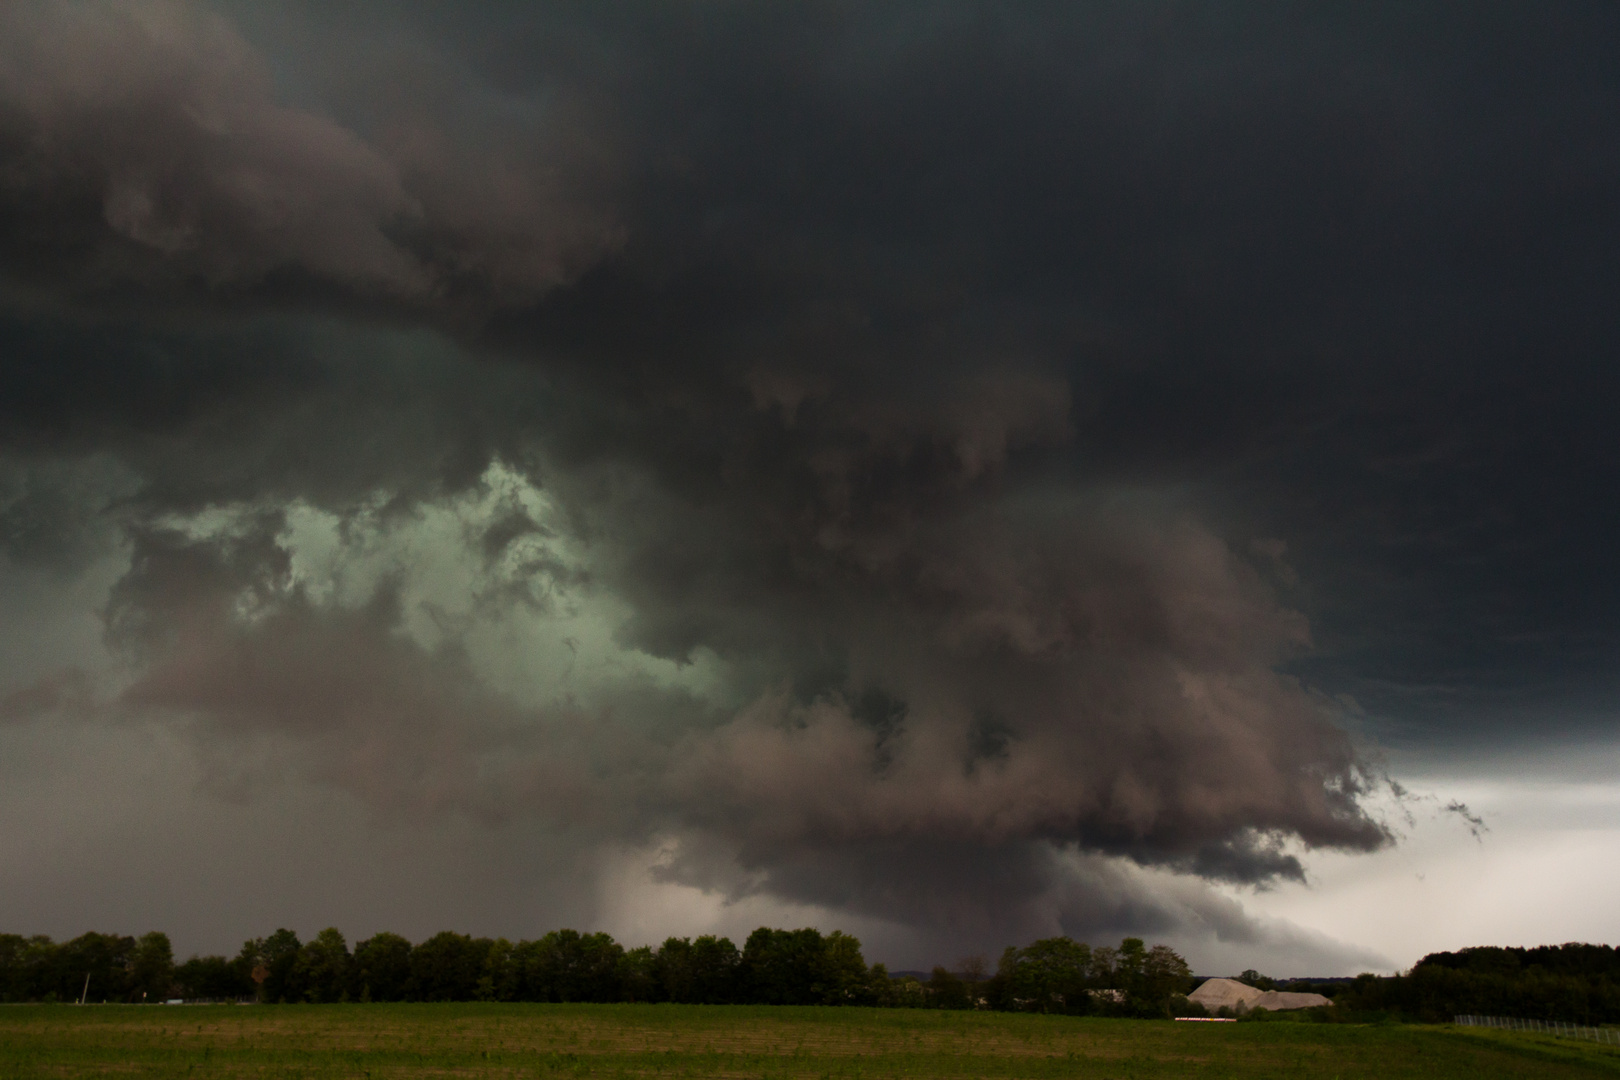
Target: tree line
point(773, 967)
point(1572, 984)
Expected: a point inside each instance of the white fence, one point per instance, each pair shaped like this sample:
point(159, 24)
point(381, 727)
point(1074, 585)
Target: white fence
point(1549, 1027)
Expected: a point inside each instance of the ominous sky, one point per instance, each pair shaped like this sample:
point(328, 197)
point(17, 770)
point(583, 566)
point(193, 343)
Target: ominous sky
point(957, 473)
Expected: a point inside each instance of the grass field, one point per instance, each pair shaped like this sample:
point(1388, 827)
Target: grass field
point(387, 1041)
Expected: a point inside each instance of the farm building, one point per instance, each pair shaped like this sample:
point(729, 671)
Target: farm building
point(1217, 994)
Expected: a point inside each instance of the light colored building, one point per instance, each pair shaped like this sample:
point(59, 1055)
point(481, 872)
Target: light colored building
point(1217, 994)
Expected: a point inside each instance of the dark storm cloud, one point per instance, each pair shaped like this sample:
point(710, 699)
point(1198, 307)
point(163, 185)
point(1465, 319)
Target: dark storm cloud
point(144, 142)
point(994, 391)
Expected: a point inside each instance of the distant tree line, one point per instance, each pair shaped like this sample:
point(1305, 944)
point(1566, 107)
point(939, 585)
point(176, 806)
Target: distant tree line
point(1573, 984)
point(774, 967)
point(100, 967)
point(1060, 975)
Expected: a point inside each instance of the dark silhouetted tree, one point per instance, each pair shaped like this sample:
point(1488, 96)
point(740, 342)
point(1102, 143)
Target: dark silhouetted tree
point(843, 975)
point(1253, 978)
point(323, 969)
point(382, 968)
point(715, 964)
point(151, 968)
point(566, 965)
point(1050, 975)
point(502, 979)
point(275, 957)
point(673, 968)
point(783, 967)
point(638, 975)
point(1165, 975)
point(947, 991)
point(447, 967)
point(106, 958)
point(212, 977)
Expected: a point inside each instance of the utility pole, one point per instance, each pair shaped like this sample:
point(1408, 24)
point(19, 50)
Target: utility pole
point(86, 989)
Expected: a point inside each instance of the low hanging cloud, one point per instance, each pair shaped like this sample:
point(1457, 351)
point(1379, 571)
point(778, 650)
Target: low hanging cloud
point(1096, 682)
point(1112, 690)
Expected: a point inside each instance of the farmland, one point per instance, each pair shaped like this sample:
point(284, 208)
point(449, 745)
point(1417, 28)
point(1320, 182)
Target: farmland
point(380, 1042)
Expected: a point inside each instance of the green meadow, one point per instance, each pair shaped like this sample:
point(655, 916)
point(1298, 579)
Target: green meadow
point(199, 1042)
